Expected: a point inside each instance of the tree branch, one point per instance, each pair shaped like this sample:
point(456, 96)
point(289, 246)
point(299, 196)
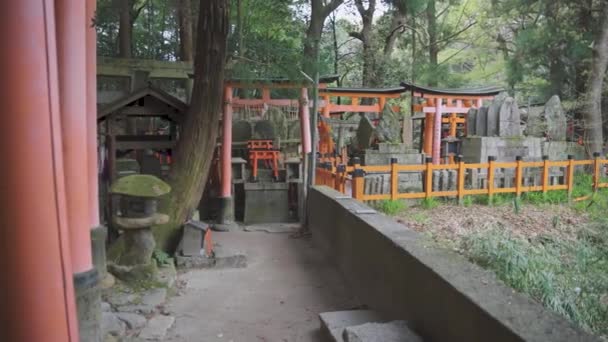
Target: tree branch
point(356, 35)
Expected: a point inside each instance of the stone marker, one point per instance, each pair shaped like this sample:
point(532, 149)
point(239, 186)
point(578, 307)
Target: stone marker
point(389, 127)
point(472, 122)
point(408, 131)
point(241, 131)
point(493, 115)
point(481, 122)
point(396, 331)
point(365, 133)
point(263, 130)
point(157, 328)
point(192, 241)
point(509, 119)
point(557, 123)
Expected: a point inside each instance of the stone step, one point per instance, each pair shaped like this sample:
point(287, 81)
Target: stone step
point(334, 323)
point(395, 331)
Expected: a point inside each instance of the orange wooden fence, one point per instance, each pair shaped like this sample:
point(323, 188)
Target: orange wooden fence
point(351, 179)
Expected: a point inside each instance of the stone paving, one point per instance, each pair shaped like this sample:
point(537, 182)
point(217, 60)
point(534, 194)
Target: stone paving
point(277, 297)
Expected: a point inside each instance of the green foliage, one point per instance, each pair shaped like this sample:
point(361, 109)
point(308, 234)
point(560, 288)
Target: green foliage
point(430, 203)
point(161, 258)
point(569, 277)
point(468, 201)
point(391, 207)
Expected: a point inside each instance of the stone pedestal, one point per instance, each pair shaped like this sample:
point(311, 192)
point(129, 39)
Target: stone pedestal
point(88, 305)
point(478, 149)
point(266, 202)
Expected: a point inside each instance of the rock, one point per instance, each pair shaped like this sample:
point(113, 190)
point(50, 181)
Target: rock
point(157, 328)
point(106, 307)
point(396, 331)
point(167, 275)
point(241, 131)
point(132, 320)
point(108, 281)
point(110, 324)
point(136, 273)
point(136, 308)
point(154, 297)
point(120, 298)
point(333, 323)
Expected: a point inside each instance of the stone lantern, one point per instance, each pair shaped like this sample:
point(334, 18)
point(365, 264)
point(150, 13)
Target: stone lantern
point(138, 198)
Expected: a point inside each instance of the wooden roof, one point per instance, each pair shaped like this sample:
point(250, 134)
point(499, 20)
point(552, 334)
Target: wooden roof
point(148, 90)
point(477, 91)
point(373, 91)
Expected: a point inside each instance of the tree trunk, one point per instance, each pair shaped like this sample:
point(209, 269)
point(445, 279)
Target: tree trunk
point(593, 114)
point(369, 58)
point(184, 20)
point(199, 129)
point(433, 46)
point(125, 29)
point(318, 14)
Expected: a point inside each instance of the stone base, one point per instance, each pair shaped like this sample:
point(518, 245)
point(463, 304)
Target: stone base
point(98, 245)
point(226, 211)
point(478, 149)
point(88, 305)
point(266, 202)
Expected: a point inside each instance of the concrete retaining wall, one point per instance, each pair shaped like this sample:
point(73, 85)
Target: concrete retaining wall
point(446, 298)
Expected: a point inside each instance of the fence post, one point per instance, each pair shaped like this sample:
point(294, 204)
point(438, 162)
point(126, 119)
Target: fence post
point(491, 160)
point(596, 171)
point(339, 182)
point(570, 179)
point(545, 174)
point(394, 179)
point(357, 162)
point(358, 184)
point(461, 175)
point(518, 176)
point(428, 184)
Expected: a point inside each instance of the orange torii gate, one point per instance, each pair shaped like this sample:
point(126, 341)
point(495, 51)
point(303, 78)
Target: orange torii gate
point(377, 97)
point(452, 105)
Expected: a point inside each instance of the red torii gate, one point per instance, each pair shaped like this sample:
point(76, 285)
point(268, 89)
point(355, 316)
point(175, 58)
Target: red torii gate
point(452, 102)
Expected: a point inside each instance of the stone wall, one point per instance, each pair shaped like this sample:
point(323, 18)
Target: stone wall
point(391, 269)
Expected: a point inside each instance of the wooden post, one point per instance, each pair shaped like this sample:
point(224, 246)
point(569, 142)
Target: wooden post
point(570, 178)
point(461, 177)
point(428, 134)
point(394, 179)
point(327, 107)
point(545, 174)
point(340, 171)
point(596, 171)
point(358, 184)
point(437, 131)
point(518, 176)
point(491, 171)
point(428, 183)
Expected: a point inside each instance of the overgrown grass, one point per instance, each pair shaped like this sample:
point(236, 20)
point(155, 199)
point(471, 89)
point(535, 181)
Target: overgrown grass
point(430, 203)
point(391, 207)
point(569, 277)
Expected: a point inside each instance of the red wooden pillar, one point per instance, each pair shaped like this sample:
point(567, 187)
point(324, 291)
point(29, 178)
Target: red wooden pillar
point(227, 144)
point(91, 66)
point(71, 57)
point(227, 211)
point(437, 130)
point(36, 290)
point(305, 121)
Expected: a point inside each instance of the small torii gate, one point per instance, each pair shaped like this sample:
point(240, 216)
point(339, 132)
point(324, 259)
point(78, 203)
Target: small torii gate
point(451, 105)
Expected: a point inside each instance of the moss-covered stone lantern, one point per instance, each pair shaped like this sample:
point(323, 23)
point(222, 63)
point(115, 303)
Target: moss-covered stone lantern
point(138, 195)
